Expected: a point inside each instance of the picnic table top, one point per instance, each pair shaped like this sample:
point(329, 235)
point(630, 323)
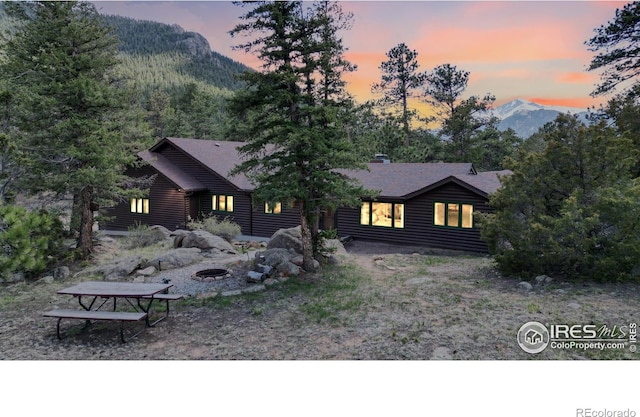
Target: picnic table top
point(115, 289)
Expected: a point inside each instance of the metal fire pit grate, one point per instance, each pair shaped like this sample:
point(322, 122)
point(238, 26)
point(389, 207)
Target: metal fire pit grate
point(210, 275)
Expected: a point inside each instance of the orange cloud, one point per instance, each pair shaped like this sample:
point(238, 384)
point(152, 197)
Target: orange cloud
point(507, 44)
point(577, 78)
point(579, 102)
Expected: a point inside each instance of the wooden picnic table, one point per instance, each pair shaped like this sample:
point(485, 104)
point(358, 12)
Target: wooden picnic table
point(144, 295)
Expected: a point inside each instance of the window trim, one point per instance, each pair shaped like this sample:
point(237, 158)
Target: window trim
point(393, 219)
point(215, 202)
point(142, 206)
point(446, 215)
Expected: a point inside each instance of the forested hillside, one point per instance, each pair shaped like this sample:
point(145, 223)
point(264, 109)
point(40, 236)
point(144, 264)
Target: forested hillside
point(163, 56)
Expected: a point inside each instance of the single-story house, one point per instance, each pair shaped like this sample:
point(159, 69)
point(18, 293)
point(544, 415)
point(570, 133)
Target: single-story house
point(428, 204)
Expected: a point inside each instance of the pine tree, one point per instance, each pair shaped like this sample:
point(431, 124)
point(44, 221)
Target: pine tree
point(618, 52)
point(461, 118)
point(571, 209)
point(401, 79)
point(63, 57)
point(292, 113)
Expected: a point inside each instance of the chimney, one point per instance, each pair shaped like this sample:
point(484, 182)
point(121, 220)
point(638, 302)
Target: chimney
point(381, 158)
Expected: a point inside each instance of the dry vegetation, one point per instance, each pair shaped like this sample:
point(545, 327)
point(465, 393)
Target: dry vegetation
point(384, 303)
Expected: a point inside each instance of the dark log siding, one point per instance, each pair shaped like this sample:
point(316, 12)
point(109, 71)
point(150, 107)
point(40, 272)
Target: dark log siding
point(167, 207)
point(418, 228)
point(241, 213)
point(217, 185)
point(265, 225)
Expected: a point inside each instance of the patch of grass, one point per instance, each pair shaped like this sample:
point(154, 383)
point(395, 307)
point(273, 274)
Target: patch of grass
point(6, 301)
point(533, 308)
point(331, 295)
point(485, 304)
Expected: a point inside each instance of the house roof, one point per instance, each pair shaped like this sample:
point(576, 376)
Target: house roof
point(393, 180)
point(404, 179)
point(218, 156)
point(173, 173)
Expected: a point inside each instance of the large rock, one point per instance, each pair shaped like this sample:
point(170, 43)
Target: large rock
point(281, 259)
point(176, 258)
point(290, 239)
point(334, 246)
point(202, 239)
point(161, 230)
point(117, 269)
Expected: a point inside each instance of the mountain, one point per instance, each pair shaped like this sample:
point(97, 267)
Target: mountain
point(166, 57)
point(526, 117)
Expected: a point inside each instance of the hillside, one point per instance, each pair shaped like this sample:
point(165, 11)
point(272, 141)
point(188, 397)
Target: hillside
point(166, 57)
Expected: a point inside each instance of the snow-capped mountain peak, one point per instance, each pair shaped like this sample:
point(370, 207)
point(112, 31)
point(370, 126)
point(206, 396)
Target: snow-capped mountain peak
point(526, 117)
point(521, 106)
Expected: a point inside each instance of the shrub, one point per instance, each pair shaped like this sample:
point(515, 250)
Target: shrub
point(141, 236)
point(570, 210)
point(226, 228)
point(29, 241)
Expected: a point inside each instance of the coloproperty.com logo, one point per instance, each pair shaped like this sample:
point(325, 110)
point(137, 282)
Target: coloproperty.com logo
point(534, 337)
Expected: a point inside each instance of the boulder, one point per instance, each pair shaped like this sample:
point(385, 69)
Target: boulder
point(202, 239)
point(281, 259)
point(117, 269)
point(524, 285)
point(61, 272)
point(543, 279)
point(273, 257)
point(176, 258)
point(161, 230)
point(335, 247)
point(287, 239)
point(148, 271)
point(254, 276)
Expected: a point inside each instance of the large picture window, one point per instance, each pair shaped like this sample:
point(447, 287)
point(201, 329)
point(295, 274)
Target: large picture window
point(222, 203)
point(453, 215)
point(140, 205)
point(382, 214)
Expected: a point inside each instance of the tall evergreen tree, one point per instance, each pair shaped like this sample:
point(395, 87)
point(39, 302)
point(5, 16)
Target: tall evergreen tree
point(63, 58)
point(461, 118)
point(291, 114)
point(401, 80)
point(618, 50)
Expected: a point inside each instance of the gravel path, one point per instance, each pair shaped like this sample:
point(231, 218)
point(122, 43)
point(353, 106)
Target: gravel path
point(183, 282)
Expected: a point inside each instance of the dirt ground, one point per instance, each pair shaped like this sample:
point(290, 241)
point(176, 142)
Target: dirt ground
point(388, 303)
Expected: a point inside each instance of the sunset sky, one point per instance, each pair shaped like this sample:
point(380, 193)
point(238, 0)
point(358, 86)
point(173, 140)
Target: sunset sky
point(513, 49)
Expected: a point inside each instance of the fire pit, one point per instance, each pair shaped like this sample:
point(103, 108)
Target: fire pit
point(210, 275)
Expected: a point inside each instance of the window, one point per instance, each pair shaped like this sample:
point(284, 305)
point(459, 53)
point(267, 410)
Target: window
point(276, 209)
point(140, 205)
point(382, 214)
point(453, 215)
point(222, 203)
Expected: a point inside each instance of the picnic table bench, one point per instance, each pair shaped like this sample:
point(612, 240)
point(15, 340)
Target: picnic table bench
point(115, 291)
point(167, 298)
point(89, 315)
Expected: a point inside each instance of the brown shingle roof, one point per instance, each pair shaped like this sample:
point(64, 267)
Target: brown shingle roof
point(488, 182)
point(402, 179)
point(219, 156)
point(394, 180)
point(172, 172)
